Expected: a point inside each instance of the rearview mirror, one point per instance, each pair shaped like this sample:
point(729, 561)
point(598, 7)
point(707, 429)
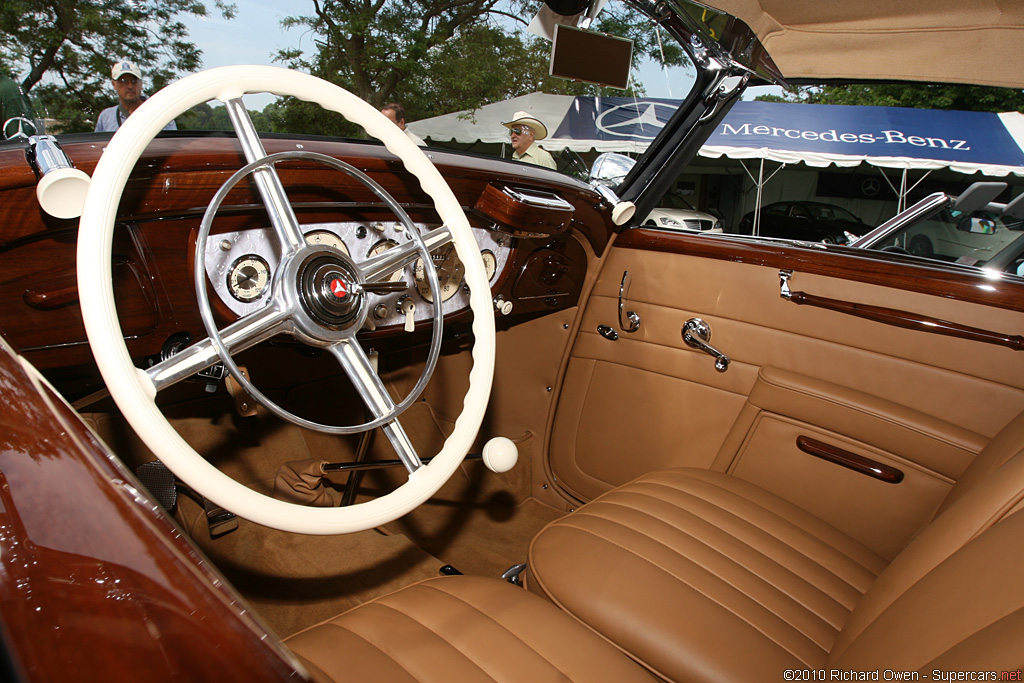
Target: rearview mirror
point(591, 57)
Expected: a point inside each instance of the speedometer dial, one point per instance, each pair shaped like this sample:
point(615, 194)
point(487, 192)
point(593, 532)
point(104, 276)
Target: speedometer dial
point(450, 272)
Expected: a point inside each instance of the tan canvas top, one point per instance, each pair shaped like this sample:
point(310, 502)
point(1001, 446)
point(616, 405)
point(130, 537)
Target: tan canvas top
point(957, 41)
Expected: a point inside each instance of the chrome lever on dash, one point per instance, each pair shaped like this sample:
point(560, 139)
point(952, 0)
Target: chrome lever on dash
point(697, 334)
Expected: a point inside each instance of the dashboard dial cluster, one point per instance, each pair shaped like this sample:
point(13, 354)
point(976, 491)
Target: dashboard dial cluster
point(241, 266)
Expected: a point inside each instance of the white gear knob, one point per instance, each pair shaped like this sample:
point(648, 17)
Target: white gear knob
point(500, 454)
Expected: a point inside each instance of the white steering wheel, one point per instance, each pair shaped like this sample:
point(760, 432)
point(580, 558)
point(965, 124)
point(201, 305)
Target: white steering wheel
point(134, 390)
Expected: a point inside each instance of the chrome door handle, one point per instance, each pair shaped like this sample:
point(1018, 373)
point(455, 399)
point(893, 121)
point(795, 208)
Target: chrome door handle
point(633, 319)
point(697, 334)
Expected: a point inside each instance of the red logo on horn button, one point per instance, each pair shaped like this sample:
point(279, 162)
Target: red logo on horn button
point(338, 288)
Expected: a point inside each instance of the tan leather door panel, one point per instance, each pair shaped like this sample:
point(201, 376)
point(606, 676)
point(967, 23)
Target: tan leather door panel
point(925, 403)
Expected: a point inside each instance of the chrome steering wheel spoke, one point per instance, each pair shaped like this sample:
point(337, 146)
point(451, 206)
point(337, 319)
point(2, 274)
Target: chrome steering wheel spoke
point(371, 389)
point(238, 336)
point(282, 216)
point(378, 268)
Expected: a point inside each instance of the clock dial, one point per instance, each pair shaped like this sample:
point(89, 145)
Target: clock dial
point(249, 278)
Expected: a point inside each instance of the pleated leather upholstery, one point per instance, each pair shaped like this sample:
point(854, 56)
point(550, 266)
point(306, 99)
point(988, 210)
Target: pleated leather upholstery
point(704, 577)
point(460, 629)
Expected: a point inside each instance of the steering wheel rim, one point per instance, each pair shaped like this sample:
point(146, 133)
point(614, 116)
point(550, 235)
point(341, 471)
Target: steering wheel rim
point(135, 392)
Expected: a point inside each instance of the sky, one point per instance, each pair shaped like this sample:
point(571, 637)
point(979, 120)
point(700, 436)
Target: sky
point(255, 35)
point(252, 37)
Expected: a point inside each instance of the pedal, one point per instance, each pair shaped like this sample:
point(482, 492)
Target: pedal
point(220, 520)
point(163, 487)
point(245, 405)
point(160, 482)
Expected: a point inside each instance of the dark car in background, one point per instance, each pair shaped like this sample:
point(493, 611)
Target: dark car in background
point(809, 221)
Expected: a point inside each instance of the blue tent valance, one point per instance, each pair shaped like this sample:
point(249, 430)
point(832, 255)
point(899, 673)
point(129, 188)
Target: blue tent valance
point(817, 135)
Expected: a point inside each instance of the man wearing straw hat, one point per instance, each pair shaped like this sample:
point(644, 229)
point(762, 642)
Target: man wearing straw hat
point(525, 130)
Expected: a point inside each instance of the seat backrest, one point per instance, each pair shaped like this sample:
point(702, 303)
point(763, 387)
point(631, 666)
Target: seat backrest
point(1003, 446)
point(953, 600)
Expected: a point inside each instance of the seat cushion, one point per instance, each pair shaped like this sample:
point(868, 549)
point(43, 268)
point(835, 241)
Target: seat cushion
point(459, 628)
point(672, 556)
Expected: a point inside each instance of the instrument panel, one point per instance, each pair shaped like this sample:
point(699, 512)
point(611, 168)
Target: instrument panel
point(240, 266)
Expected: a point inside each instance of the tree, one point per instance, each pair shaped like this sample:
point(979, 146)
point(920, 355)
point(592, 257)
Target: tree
point(484, 64)
point(71, 43)
point(438, 56)
point(914, 95)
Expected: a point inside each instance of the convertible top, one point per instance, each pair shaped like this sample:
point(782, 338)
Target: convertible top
point(943, 41)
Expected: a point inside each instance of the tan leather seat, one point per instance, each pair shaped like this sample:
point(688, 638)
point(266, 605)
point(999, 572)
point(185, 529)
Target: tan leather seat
point(703, 577)
point(460, 628)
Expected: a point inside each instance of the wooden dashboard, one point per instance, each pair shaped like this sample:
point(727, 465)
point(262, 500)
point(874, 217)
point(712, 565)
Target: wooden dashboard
point(537, 218)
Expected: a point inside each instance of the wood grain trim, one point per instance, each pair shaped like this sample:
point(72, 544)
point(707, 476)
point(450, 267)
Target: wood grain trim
point(860, 265)
point(910, 321)
point(844, 458)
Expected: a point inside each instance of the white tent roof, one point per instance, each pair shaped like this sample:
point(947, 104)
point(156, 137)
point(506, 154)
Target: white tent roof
point(484, 124)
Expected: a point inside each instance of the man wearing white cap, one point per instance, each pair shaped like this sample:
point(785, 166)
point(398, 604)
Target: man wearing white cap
point(525, 130)
point(127, 80)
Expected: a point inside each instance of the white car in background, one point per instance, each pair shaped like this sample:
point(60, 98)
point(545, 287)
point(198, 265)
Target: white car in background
point(674, 211)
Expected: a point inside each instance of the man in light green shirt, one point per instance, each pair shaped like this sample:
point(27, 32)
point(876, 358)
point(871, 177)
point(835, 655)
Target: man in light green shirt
point(525, 130)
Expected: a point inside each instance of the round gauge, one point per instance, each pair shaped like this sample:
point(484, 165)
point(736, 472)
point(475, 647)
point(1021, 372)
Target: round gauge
point(490, 263)
point(249, 278)
point(449, 273)
point(380, 248)
point(326, 237)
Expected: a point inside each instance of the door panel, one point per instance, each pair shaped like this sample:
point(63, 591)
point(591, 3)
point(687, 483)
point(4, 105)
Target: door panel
point(922, 403)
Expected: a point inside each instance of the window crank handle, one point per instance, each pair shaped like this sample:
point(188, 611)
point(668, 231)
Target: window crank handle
point(697, 334)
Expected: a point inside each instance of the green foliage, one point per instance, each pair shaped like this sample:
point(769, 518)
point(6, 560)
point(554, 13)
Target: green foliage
point(484, 64)
point(433, 56)
point(439, 56)
point(62, 50)
point(371, 46)
point(913, 95)
point(207, 117)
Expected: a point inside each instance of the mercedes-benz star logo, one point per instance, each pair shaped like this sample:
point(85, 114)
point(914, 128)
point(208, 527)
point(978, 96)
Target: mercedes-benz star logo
point(870, 187)
point(19, 127)
point(643, 120)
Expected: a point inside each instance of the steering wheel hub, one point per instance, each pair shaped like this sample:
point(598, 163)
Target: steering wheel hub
point(327, 292)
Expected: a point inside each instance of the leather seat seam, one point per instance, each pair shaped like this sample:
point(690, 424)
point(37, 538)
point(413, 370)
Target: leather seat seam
point(775, 515)
point(717, 602)
point(780, 590)
point(500, 625)
point(764, 557)
point(766, 511)
point(368, 642)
